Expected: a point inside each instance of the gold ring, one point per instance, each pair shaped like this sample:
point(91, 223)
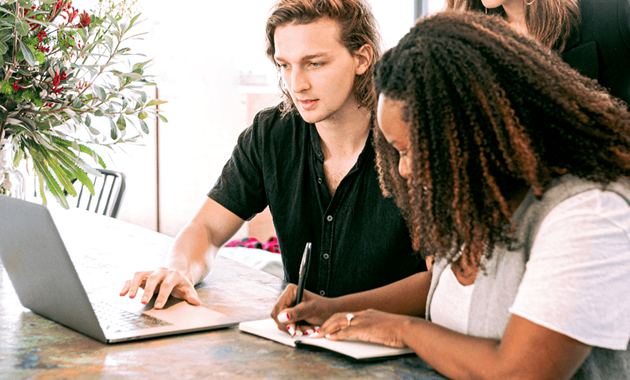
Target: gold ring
point(349, 317)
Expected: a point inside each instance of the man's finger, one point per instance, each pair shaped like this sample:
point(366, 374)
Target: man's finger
point(192, 297)
point(151, 284)
point(137, 281)
point(168, 282)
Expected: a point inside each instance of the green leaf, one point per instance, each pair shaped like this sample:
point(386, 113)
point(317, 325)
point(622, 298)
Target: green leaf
point(143, 96)
point(25, 3)
point(142, 115)
point(5, 35)
point(63, 176)
point(162, 118)
point(134, 76)
point(76, 103)
point(139, 65)
point(156, 102)
point(42, 193)
point(114, 130)
point(88, 120)
point(121, 123)
point(69, 160)
point(113, 20)
point(28, 54)
point(48, 1)
point(94, 131)
point(144, 126)
point(84, 149)
point(99, 113)
point(3, 48)
point(21, 26)
point(133, 20)
point(6, 10)
point(100, 93)
point(52, 183)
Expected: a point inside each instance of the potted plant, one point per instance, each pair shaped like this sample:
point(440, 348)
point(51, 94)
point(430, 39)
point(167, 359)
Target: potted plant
point(60, 68)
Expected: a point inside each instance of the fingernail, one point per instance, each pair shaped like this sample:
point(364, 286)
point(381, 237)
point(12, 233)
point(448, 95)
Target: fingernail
point(328, 335)
point(145, 299)
point(291, 330)
point(132, 294)
point(298, 333)
point(313, 335)
point(284, 317)
point(316, 328)
point(308, 332)
point(158, 305)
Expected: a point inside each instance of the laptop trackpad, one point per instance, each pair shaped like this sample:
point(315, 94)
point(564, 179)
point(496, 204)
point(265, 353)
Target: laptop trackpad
point(179, 312)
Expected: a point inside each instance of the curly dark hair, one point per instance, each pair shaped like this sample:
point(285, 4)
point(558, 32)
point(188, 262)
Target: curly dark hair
point(489, 112)
point(358, 28)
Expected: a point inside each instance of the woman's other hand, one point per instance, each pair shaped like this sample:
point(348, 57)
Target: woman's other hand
point(369, 326)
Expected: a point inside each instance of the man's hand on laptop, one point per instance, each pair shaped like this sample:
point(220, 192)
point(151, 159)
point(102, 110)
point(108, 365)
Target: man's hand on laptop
point(165, 282)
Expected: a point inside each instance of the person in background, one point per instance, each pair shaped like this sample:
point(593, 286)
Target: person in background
point(512, 169)
point(592, 36)
point(310, 159)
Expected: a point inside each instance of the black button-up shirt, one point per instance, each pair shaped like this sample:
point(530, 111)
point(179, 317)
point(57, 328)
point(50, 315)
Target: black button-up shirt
point(359, 238)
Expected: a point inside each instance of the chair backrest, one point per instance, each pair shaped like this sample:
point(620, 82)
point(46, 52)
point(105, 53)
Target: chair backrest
point(109, 191)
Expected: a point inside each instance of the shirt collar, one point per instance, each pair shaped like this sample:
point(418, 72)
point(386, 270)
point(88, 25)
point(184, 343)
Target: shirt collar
point(367, 151)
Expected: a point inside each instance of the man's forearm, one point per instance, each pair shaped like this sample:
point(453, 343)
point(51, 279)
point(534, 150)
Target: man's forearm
point(193, 252)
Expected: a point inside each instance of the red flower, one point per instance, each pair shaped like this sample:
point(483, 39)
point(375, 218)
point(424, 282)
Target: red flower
point(57, 6)
point(57, 80)
point(41, 34)
point(84, 20)
point(16, 86)
point(72, 13)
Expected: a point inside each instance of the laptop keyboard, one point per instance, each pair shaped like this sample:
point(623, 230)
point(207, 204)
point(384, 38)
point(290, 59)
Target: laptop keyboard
point(115, 319)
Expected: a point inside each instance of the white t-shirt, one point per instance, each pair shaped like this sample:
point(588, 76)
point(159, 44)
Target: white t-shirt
point(450, 304)
point(577, 279)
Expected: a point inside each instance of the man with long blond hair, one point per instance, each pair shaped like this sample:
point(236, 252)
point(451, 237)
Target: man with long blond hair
point(309, 159)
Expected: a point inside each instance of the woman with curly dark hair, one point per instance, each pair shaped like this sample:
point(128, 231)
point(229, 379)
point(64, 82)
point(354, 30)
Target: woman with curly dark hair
point(511, 168)
point(592, 36)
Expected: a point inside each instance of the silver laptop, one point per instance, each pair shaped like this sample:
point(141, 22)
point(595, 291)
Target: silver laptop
point(46, 282)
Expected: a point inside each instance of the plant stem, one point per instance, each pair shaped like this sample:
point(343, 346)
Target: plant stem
point(4, 122)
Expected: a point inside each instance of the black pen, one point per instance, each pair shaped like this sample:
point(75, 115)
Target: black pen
point(306, 258)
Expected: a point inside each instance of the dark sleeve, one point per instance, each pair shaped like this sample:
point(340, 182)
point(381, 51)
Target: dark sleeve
point(624, 22)
point(240, 188)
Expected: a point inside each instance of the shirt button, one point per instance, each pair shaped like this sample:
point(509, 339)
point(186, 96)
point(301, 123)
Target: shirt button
point(320, 180)
point(322, 293)
point(326, 256)
point(329, 218)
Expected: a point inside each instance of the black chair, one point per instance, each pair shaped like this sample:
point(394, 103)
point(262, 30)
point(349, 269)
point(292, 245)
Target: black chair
point(112, 186)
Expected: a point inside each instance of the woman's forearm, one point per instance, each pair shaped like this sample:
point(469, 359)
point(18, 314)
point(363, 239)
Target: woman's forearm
point(527, 351)
point(407, 296)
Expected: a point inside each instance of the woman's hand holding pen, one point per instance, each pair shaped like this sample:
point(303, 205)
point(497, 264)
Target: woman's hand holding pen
point(315, 311)
point(311, 312)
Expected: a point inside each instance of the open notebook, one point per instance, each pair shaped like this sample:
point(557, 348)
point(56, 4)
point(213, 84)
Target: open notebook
point(267, 328)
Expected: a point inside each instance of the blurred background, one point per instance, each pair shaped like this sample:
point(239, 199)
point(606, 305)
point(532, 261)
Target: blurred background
point(208, 59)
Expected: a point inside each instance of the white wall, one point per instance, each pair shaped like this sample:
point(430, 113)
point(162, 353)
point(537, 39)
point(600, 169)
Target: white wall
point(199, 48)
